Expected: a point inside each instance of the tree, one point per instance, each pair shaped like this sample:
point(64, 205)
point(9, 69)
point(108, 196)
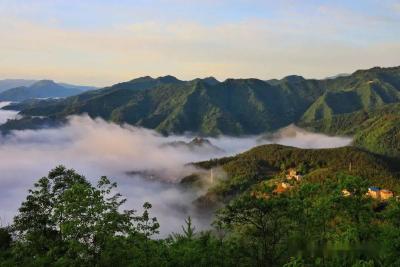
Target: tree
point(65, 220)
point(5, 239)
point(264, 223)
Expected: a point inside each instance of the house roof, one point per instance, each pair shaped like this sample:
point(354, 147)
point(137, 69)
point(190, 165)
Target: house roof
point(374, 188)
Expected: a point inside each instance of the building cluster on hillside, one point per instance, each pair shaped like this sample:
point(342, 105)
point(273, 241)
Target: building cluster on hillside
point(373, 192)
point(293, 175)
point(378, 193)
point(290, 179)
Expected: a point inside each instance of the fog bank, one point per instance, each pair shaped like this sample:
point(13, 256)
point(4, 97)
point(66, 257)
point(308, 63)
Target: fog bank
point(95, 148)
point(6, 114)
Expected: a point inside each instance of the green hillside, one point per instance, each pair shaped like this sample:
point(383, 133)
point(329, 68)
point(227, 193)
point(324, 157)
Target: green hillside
point(270, 161)
point(234, 107)
point(381, 136)
point(324, 220)
point(376, 130)
point(358, 104)
point(363, 90)
point(241, 106)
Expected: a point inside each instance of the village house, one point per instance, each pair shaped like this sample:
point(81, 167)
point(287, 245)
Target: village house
point(293, 174)
point(281, 188)
point(386, 194)
point(378, 193)
point(374, 192)
point(346, 193)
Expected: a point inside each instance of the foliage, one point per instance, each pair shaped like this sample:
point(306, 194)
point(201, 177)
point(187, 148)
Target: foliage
point(364, 104)
point(268, 161)
point(376, 130)
point(65, 221)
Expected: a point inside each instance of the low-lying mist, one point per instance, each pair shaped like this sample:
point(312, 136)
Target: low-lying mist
point(95, 148)
point(6, 114)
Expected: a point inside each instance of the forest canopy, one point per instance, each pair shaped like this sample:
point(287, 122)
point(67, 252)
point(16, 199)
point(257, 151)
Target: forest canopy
point(67, 221)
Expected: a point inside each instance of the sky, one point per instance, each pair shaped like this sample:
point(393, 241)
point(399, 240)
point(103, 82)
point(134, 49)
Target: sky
point(98, 42)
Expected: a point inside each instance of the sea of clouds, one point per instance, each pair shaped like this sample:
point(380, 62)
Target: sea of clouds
point(95, 148)
point(6, 114)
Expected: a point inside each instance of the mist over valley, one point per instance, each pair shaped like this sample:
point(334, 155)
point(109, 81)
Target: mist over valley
point(94, 147)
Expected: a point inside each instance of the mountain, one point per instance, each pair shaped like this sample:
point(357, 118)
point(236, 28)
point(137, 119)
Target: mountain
point(376, 130)
point(264, 162)
point(82, 88)
point(338, 75)
point(363, 90)
point(12, 83)
point(209, 80)
point(361, 104)
point(198, 144)
point(234, 107)
point(42, 89)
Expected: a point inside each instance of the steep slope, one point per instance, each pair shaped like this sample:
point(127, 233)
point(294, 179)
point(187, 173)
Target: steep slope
point(380, 135)
point(12, 83)
point(40, 89)
point(265, 162)
point(234, 107)
point(363, 90)
point(377, 130)
point(204, 106)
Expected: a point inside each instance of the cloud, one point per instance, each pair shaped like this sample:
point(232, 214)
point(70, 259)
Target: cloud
point(315, 42)
point(396, 7)
point(95, 148)
point(6, 114)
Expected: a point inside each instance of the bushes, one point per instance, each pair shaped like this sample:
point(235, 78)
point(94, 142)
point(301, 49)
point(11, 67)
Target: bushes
point(65, 221)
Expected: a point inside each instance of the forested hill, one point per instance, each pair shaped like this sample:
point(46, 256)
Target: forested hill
point(234, 106)
point(204, 106)
point(376, 129)
point(363, 90)
point(361, 104)
point(271, 162)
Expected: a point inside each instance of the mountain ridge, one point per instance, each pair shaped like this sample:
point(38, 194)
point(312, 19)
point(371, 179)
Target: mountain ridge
point(208, 107)
point(42, 89)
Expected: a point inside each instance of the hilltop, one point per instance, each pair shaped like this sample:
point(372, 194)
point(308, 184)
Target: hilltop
point(208, 107)
point(41, 89)
point(267, 162)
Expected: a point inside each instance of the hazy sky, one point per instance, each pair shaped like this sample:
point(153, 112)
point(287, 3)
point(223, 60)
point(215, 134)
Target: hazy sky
point(100, 42)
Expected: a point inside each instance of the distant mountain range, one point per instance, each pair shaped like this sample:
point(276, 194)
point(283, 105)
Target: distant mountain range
point(241, 106)
point(12, 83)
point(20, 90)
point(203, 106)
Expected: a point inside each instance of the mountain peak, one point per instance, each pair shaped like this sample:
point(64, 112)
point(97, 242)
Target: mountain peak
point(207, 80)
point(293, 78)
point(210, 80)
point(168, 79)
point(42, 83)
point(142, 79)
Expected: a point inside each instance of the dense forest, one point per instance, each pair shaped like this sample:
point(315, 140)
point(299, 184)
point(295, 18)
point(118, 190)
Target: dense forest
point(364, 104)
point(323, 218)
point(273, 205)
point(376, 130)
